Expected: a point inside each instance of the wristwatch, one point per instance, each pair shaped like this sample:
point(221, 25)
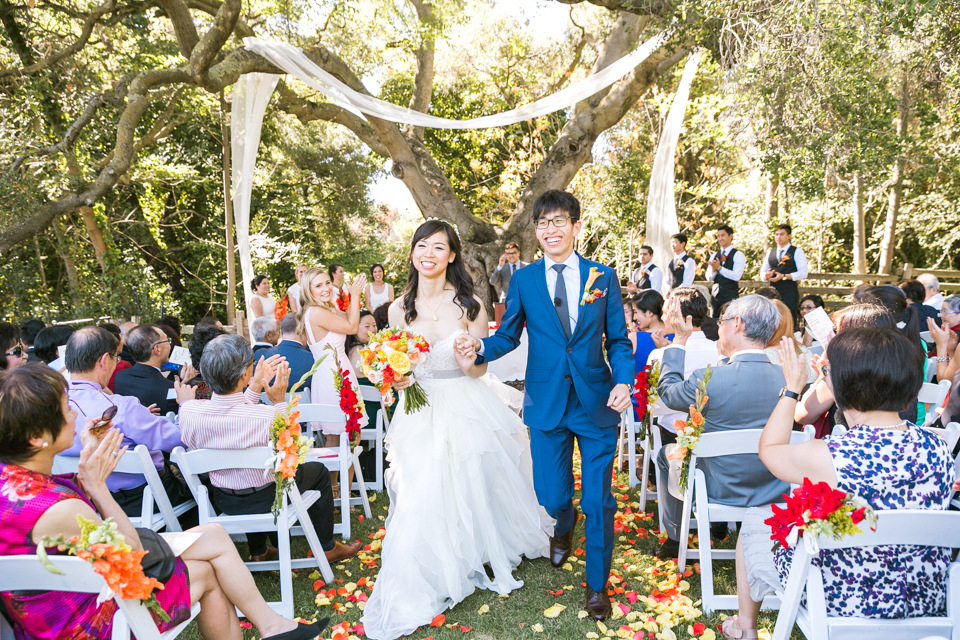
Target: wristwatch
point(789, 394)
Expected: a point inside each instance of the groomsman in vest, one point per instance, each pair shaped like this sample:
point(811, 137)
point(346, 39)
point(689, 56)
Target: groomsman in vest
point(784, 266)
point(725, 270)
point(647, 275)
point(682, 268)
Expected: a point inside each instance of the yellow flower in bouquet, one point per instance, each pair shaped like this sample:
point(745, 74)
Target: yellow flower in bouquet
point(399, 362)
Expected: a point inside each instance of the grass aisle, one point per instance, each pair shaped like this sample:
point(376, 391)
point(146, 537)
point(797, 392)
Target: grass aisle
point(486, 616)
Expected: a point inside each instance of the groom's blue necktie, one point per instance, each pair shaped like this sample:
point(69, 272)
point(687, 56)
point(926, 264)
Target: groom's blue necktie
point(560, 300)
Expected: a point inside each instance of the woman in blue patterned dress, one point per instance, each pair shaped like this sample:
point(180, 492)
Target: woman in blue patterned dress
point(874, 373)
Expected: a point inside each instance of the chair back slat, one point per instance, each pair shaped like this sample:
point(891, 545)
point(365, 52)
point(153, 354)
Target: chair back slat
point(906, 526)
point(321, 413)
point(202, 461)
point(739, 441)
point(24, 573)
point(369, 394)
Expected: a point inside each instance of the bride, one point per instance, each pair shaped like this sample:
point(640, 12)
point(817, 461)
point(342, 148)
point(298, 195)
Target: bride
point(462, 506)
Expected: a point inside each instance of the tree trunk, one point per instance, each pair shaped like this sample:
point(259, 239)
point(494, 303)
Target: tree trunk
point(771, 206)
point(859, 231)
point(43, 275)
point(896, 189)
point(64, 250)
point(228, 211)
point(96, 237)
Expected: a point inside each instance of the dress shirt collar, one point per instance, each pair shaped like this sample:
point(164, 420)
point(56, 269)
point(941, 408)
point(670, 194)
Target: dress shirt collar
point(680, 258)
point(229, 399)
point(782, 250)
point(744, 352)
point(572, 262)
point(295, 343)
point(86, 385)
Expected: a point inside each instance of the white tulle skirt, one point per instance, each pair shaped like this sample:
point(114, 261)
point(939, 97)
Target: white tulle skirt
point(461, 496)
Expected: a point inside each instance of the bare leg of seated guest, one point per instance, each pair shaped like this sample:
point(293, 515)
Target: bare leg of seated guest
point(744, 624)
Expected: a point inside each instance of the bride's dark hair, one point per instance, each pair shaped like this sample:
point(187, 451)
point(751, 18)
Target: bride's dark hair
point(456, 273)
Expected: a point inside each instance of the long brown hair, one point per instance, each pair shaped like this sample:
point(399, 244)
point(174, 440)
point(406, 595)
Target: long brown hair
point(785, 328)
point(456, 273)
point(307, 300)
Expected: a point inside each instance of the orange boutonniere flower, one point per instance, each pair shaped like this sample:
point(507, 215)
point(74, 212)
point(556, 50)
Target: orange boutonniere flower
point(596, 293)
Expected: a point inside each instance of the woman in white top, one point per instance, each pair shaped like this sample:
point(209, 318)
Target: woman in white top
point(293, 293)
point(378, 292)
point(263, 304)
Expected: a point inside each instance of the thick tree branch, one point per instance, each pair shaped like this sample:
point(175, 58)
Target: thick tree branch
point(85, 33)
point(183, 26)
point(639, 7)
point(423, 82)
point(213, 40)
point(162, 127)
point(240, 29)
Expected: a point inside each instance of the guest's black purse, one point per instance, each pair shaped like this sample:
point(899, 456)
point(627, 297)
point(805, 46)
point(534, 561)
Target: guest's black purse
point(159, 561)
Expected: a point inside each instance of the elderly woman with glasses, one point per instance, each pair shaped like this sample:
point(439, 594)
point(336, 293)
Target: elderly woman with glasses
point(946, 338)
point(36, 424)
point(14, 353)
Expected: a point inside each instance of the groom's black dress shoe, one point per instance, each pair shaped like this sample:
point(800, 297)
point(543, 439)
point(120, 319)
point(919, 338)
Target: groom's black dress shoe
point(560, 546)
point(669, 550)
point(598, 605)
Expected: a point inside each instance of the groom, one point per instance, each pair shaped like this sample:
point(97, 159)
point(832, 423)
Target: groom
point(570, 392)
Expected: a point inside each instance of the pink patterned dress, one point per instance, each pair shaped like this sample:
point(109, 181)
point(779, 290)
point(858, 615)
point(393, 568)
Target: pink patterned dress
point(24, 497)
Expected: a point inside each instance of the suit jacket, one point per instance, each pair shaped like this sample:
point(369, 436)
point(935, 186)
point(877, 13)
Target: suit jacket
point(742, 394)
point(554, 362)
point(298, 357)
point(147, 385)
point(502, 277)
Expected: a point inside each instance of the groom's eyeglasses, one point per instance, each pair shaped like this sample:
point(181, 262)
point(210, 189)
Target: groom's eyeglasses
point(558, 223)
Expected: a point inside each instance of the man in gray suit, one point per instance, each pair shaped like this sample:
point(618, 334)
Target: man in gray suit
point(509, 263)
point(742, 392)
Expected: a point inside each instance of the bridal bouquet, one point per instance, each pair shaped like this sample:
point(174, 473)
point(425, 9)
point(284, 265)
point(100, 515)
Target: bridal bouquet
point(104, 547)
point(820, 511)
point(690, 430)
point(390, 355)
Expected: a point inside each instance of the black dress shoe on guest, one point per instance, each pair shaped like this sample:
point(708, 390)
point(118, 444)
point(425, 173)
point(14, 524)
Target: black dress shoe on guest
point(303, 631)
point(272, 553)
point(669, 550)
point(560, 546)
point(719, 531)
point(598, 606)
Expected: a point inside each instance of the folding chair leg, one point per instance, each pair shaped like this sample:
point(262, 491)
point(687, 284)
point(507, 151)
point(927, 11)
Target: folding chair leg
point(631, 456)
point(790, 602)
point(286, 570)
point(363, 486)
point(296, 501)
point(685, 527)
point(620, 437)
point(647, 447)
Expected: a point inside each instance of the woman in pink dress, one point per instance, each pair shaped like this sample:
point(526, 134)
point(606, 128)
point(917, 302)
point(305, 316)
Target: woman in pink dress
point(323, 324)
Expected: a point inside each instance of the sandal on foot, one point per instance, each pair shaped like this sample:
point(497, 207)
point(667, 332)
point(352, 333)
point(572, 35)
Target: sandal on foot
point(730, 630)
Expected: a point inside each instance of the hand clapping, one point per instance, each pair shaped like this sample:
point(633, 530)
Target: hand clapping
point(99, 459)
point(794, 366)
point(682, 327)
point(277, 392)
point(357, 286)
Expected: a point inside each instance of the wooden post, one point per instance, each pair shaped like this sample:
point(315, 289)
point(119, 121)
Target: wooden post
point(240, 323)
point(228, 211)
point(907, 271)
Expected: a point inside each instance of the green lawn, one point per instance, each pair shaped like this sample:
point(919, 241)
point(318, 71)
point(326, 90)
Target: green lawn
point(515, 616)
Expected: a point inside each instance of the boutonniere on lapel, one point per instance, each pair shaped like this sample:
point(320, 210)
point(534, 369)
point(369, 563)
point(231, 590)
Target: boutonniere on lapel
point(589, 295)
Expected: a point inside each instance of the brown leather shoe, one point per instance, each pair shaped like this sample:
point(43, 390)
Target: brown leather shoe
point(598, 606)
point(342, 551)
point(560, 546)
point(272, 553)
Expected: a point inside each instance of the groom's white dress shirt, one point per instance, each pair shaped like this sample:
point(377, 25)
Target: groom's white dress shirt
point(571, 278)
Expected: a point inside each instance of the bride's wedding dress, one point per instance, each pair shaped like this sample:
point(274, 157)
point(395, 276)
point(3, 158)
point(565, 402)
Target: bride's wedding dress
point(461, 497)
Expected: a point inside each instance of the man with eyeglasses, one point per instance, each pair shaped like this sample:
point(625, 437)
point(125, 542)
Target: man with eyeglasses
point(91, 358)
point(150, 348)
point(509, 264)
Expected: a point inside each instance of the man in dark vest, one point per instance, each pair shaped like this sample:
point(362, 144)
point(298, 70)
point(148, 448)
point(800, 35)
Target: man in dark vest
point(682, 268)
point(647, 275)
point(725, 270)
point(784, 266)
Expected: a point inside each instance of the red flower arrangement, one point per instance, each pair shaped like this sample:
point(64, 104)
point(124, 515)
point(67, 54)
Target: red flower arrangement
point(283, 307)
point(350, 403)
point(343, 299)
point(819, 510)
point(645, 393)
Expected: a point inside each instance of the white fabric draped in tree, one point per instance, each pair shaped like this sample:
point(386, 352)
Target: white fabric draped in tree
point(296, 63)
point(661, 202)
point(251, 94)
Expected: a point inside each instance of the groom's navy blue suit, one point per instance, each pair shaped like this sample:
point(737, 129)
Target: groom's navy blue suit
point(567, 385)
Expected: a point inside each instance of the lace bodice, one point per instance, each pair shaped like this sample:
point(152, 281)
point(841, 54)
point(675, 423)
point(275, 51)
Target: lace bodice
point(440, 360)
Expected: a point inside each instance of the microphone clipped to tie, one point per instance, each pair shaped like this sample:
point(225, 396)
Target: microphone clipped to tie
point(556, 302)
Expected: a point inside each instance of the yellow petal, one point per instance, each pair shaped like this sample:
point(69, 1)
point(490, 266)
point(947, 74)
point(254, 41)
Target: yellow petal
point(484, 609)
point(592, 635)
point(554, 611)
point(582, 614)
point(668, 634)
point(567, 566)
point(314, 576)
point(601, 626)
point(708, 634)
point(538, 628)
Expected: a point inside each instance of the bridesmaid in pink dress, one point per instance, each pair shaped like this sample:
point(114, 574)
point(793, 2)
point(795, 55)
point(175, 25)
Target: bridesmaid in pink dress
point(323, 324)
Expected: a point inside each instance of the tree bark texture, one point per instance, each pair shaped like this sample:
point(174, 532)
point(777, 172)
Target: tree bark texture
point(889, 243)
point(859, 231)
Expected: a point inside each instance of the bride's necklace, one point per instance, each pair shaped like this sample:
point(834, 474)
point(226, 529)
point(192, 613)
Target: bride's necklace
point(424, 303)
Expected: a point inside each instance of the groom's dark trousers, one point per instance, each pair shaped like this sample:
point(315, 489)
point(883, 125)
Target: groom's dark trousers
point(566, 389)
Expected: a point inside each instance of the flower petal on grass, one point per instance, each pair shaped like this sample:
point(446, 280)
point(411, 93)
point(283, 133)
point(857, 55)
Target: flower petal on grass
point(554, 611)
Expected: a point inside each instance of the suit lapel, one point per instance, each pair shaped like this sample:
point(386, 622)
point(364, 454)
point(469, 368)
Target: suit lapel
point(540, 284)
point(581, 311)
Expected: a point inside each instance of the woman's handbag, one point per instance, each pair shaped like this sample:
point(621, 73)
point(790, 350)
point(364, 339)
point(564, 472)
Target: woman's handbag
point(160, 561)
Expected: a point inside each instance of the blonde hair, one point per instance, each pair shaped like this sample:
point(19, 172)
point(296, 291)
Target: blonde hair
point(785, 328)
point(307, 300)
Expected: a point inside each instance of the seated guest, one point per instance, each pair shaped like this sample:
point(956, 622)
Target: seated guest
point(171, 321)
point(264, 333)
point(916, 293)
point(202, 335)
point(808, 303)
point(151, 349)
point(207, 321)
point(875, 374)
point(950, 316)
point(355, 343)
point(234, 420)
point(122, 364)
point(700, 351)
point(931, 285)
point(125, 329)
point(37, 423)
point(742, 394)
point(380, 314)
point(647, 315)
point(785, 328)
point(28, 332)
point(91, 358)
point(291, 347)
point(768, 292)
point(14, 353)
point(47, 343)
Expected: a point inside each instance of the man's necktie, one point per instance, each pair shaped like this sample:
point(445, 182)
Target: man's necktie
point(513, 269)
point(560, 300)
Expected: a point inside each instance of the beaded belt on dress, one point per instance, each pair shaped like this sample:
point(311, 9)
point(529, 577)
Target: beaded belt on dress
point(446, 374)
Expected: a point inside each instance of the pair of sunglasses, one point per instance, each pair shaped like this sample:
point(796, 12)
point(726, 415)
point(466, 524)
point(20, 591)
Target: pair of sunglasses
point(105, 419)
point(17, 352)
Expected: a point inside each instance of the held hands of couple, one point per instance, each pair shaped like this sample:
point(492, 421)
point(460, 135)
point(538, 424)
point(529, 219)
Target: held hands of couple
point(465, 349)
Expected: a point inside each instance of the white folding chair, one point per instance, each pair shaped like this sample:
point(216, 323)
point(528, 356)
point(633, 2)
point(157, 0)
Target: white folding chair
point(931, 370)
point(139, 462)
point(339, 459)
point(629, 429)
point(304, 394)
point(24, 573)
point(171, 417)
point(294, 508)
point(933, 396)
point(949, 433)
point(901, 526)
point(714, 445)
point(374, 435)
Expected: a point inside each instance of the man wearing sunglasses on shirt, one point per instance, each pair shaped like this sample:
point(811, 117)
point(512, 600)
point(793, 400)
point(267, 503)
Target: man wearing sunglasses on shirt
point(91, 358)
point(151, 349)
